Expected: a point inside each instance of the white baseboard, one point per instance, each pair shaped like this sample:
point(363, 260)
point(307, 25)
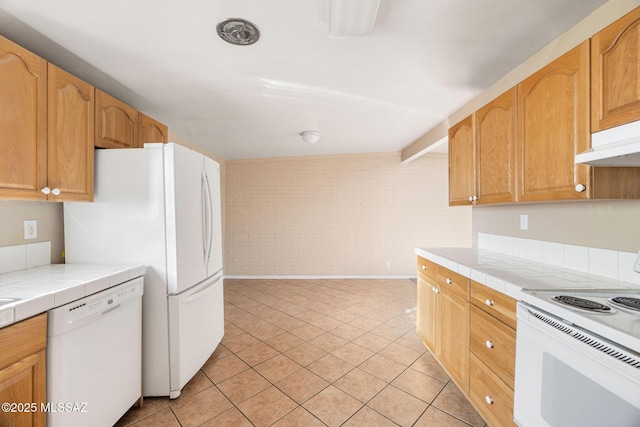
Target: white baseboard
point(315, 277)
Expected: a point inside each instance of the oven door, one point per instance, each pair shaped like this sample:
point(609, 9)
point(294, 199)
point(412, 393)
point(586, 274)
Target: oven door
point(568, 377)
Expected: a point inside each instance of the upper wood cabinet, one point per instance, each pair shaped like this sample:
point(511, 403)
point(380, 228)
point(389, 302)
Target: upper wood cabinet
point(151, 130)
point(553, 126)
point(23, 122)
point(71, 129)
point(462, 163)
point(615, 73)
point(116, 123)
point(495, 150)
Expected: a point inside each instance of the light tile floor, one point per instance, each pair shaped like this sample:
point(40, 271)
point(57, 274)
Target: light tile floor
point(315, 353)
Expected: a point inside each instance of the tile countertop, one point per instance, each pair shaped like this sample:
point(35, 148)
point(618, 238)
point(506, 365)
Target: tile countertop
point(511, 275)
point(40, 289)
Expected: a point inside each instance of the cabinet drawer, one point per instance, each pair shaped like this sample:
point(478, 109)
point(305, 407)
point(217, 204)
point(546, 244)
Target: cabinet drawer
point(450, 281)
point(491, 397)
point(22, 339)
point(495, 303)
point(494, 343)
point(428, 268)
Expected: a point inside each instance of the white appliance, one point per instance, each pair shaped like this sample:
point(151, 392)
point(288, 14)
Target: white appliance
point(159, 206)
point(91, 381)
point(578, 359)
point(616, 147)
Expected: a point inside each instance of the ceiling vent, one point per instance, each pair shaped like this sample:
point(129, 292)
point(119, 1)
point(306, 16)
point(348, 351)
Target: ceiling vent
point(238, 31)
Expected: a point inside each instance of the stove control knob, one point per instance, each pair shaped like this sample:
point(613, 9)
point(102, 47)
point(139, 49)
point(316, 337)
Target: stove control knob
point(489, 302)
point(489, 400)
point(580, 188)
point(489, 344)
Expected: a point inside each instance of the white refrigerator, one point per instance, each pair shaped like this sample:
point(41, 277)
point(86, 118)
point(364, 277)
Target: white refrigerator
point(159, 206)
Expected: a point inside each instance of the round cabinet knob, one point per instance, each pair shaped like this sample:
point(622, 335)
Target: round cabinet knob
point(471, 198)
point(46, 190)
point(449, 281)
point(489, 400)
point(475, 198)
point(489, 344)
point(56, 191)
point(580, 188)
point(489, 302)
point(424, 267)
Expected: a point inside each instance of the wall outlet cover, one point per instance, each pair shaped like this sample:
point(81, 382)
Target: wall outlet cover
point(30, 229)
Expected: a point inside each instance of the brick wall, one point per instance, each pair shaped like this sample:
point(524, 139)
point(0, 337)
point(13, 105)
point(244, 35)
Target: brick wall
point(348, 215)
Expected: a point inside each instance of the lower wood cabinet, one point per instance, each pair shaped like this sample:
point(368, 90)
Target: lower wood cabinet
point(470, 330)
point(23, 372)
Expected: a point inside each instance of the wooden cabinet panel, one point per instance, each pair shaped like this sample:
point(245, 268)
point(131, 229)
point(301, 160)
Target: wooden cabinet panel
point(461, 163)
point(494, 303)
point(454, 338)
point(23, 122)
point(71, 130)
point(428, 312)
point(24, 382)
point(615, 73)
point(116, 123)
point(490, 395)
point(495, 150)
point(553, 126)
point(151, 130)
point(494, 343)
point(428, 268)
point(452, 282)
point(22, 339)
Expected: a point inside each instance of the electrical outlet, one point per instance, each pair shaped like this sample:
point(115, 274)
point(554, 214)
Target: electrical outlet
point(524, 222)
point(30, 229)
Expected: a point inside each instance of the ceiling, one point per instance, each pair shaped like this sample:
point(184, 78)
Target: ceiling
point(424, 60)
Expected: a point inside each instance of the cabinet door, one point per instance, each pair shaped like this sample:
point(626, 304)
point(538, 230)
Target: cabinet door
point(23, 122)
point(24, 383)
point(427, 312)
point(71, 127)
point(461, 163)
point(553, 126)
point(615, 73)
point(454, 338)
point(116, 123)
point(495, 140)
point(151, 130)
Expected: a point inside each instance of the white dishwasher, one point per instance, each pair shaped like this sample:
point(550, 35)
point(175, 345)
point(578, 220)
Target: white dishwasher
point(94, 357)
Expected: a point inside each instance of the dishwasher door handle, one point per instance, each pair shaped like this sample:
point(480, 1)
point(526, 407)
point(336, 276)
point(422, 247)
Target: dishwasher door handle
point(109, 310)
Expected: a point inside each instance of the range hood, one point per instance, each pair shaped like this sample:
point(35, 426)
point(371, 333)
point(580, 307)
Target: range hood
point(618, 147)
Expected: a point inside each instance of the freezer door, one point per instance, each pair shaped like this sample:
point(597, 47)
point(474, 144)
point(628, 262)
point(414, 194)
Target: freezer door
point(213, 230)
point(196, 326)
point(186, 204)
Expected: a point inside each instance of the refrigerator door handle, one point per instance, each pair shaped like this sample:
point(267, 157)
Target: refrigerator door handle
point(209, 229)
point(212, 281)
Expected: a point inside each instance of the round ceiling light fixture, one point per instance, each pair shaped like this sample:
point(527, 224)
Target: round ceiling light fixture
point(238, 31)
point(311, 136)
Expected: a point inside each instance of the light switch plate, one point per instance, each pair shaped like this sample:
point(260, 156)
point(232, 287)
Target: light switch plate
point(30, 229)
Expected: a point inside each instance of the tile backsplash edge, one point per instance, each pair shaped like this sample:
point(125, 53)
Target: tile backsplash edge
point(21, 257)
point(615, 265)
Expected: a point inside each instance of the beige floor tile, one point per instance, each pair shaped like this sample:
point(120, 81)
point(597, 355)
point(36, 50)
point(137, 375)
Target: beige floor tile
point(345, 315)
point(365, 323)
point(269, 314)
point(326, 323)
point(150, 406)
point(284, 342)
point(308, 315)
point(330, 367)
point(360, 384)
point(307, 332)
point(328, 342)
point(353, 353)
point(388, 332)
point(372, 342)
point(348, 332)
point(434, 417)
point(267, 407)
point(332, 406)
point(430, 366)
point(163, 418)
point(419, 385)
point(305, 353)
point(220, 352)
point(231, 330)
point(412, 340)
point(243, 386)
point(383, 368)
point(198, 383)
point(453, 402)
point(224, 368)
point(302, 385)
point(277, 368)
point(360, 309)
point(263, 333)
point(230, 418)
point(398, 406)
point(256, 353)
point(367, 417)
point(400, 354)
point(199, 408)
point(238, 342)
point(299, 417)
